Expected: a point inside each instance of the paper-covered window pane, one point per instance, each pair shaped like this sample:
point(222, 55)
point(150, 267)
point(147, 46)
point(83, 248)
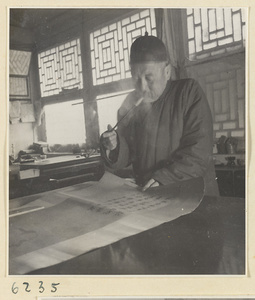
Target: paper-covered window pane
point(18, 86)
point(19, 62)
point(215, 30)
point(110, 46)
point(65, 122)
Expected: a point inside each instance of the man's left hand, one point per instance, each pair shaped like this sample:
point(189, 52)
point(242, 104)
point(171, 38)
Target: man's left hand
point(151, 183)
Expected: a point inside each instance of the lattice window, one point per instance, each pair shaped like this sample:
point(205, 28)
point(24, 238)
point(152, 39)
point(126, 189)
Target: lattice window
point(111, 44)
point(213, 31)
point(19, 64)
point(60, 68)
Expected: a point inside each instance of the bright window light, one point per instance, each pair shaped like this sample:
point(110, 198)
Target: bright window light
point(65, 123)
point(108, 106)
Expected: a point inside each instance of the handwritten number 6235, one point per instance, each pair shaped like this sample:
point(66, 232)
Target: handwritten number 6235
point(15, 288)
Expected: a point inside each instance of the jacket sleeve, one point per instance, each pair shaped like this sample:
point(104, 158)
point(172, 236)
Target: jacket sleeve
point(121, 157)
point(194, 153)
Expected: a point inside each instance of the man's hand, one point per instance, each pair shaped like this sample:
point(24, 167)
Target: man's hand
point(151, 183)
point(109, 138)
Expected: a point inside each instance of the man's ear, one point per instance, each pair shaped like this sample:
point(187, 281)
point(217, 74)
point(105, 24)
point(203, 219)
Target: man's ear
point(168, 70)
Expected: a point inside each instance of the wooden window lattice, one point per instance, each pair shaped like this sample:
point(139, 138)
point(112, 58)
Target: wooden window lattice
point(60, 68)
point(213, 31)
point(111, 44)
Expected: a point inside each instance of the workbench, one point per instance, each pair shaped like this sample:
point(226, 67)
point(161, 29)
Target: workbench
point(41, 175)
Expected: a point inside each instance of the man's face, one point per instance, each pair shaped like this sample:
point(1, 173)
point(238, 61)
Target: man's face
point(150, 79)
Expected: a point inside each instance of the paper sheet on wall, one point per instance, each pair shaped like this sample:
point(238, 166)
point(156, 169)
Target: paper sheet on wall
point(91, 215)
point(14, 112)
point(27, 113)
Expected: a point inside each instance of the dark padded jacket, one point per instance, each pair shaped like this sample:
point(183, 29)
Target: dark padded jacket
point(169, 140)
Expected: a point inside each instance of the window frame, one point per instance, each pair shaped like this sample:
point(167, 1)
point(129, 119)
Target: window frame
point(121, 85)
point(15, 97)
point(27, 97)
point(189, 62)
point(65, 93)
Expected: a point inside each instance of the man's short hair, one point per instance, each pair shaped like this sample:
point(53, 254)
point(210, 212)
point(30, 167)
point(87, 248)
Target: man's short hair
point(148, 48)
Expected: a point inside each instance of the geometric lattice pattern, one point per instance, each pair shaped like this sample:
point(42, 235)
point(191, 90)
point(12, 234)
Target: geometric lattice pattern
point(214, 31)
point(18, 86)
point(60, 68)
point(110, 46)
point(19, 62)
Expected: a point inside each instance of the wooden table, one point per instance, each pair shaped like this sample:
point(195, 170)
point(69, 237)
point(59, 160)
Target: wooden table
point(52, 173)
point(231, 180)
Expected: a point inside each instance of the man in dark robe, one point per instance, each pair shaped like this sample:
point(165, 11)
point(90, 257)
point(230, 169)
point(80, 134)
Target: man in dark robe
point(168, 137)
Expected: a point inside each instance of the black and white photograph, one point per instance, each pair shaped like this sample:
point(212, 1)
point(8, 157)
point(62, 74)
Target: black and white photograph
point(127, 141)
